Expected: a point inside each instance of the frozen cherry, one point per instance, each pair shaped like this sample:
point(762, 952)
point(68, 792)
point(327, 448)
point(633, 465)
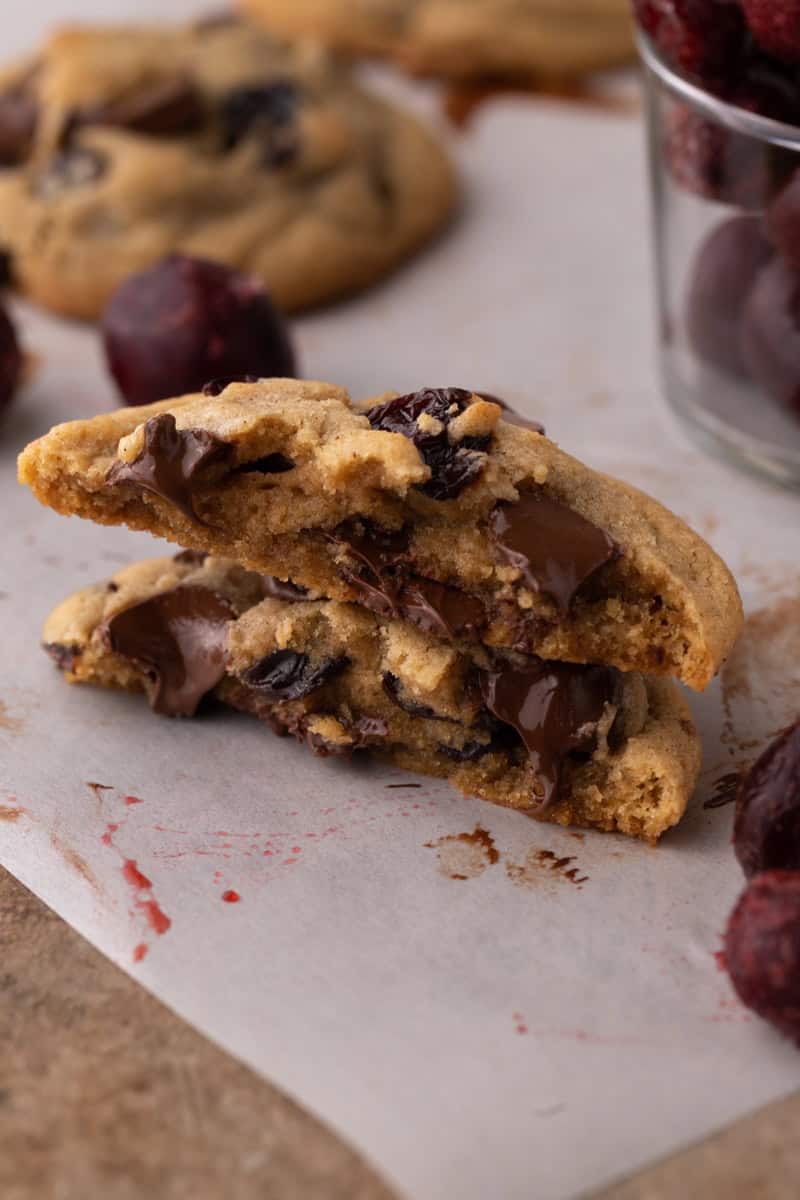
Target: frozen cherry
point(725, 269)
point(702, 39)
point(11, 360)
point(716, 163)
point(775, 25)
point(771, 333)
point(185, 321)
point(762, 949)
point(783, 222)
point(766, 832)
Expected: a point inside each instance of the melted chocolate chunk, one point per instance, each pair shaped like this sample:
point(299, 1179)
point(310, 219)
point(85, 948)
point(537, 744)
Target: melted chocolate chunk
point(280, 589)
point(453, 467)
point(179, 639)
point(554, 547)
point(290, 675)
point(171, 461)
point(269, 112)
point(64, 657)
point(510, 415)
point(270, 464)
point(394, 690)
point(194, 558)
point(440, 609)
point(165, 108)
point(215, 387)
point(555, 708)
point(74, 167)
point(384, 585)
point(19, 115)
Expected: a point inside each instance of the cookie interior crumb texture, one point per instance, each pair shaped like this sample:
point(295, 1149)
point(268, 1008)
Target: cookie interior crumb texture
point(344, 680)
point(412, 508)
point(125, 144)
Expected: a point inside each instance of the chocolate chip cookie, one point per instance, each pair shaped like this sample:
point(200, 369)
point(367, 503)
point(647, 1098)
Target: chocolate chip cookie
point(463, 39)
point(427, 507)
point(119, 146)
point(573, 744)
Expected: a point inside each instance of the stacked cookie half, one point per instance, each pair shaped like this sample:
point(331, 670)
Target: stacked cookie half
point(427, 577)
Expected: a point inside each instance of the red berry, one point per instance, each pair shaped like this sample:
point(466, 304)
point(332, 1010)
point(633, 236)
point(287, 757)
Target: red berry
point(714, 162)
point(775, 24)
point(771, 333)
point(725, 269)
point(702, 39)
point(766, 833)
point(762, 949)
point(186, 321)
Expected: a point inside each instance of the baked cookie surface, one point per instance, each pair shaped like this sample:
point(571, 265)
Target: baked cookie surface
point(429, 507)
point(119, 146)
point(564, 743)
point(462, 39)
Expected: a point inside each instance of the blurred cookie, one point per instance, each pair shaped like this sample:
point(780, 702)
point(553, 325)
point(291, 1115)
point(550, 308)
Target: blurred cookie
point(123, 145)
point(465, 39)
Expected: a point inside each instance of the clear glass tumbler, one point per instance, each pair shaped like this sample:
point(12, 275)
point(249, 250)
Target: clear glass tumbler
point(726, 220)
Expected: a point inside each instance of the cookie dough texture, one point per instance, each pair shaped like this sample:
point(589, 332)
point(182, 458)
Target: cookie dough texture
point(464, 39)
point(667, 606)
point(213, 140)
point(637, 780)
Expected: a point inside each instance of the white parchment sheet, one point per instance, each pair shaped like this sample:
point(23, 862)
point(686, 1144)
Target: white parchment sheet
point(534, 1029)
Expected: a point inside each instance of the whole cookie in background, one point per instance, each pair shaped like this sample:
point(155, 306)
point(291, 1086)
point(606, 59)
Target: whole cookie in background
point(126, 144)
point(465, 39)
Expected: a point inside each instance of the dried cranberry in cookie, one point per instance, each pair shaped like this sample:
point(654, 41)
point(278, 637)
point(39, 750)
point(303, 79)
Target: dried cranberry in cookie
point(775, 24)
point(424, 417)
point(723, 275)
point(172, 329)
point(11, 360)
point(702, 39)
point(762, 949)
point(268, 112)
point(290, 675)
point(766, 833)
point(771, 333)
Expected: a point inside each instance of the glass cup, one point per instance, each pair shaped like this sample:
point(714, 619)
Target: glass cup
point(726, 223)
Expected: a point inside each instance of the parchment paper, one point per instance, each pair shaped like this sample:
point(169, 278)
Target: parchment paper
point(532, 1027)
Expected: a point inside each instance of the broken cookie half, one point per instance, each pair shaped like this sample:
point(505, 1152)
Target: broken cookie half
point(432, 507)
point(568, 743)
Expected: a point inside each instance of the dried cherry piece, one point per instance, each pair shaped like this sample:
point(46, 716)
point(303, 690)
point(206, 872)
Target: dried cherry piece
point(290, 674)
point(771, 333)
point(268, 111)
point(762, 949)
point(453, 466)
point(725, 269)
point(766, 833)
point(173, 327)
point(11, 360)
point(775, 26)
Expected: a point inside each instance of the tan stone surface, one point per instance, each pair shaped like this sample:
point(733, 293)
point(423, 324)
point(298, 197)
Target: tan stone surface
point(105, 1095)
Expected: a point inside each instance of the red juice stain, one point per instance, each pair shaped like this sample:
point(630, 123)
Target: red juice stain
point(134, 876)
point(721, 960)
point(231, 897)
point(108, 837)
point(520, 1025)
point(158, 920)
point(131, 800)
point(139, 952)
